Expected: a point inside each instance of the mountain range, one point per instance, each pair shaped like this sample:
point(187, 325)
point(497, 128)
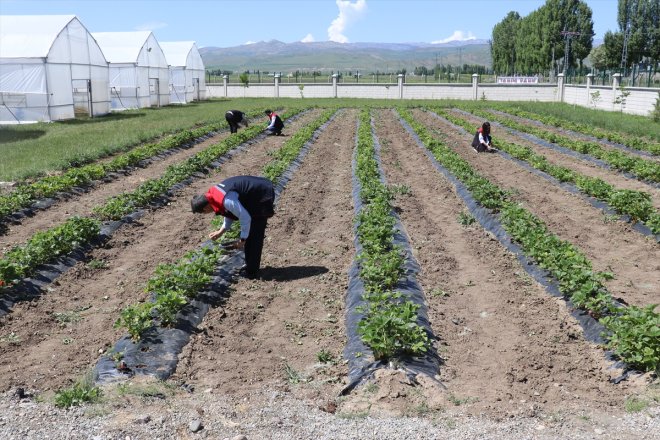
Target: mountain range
point(326, 56)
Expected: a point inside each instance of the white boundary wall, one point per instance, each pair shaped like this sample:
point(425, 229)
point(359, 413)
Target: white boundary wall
point(640, 100)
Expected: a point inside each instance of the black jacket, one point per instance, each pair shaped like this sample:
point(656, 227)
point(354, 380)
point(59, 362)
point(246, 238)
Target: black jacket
point(256, 194)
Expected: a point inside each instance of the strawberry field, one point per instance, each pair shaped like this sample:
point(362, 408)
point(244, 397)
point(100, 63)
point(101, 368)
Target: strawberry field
point(402, 269)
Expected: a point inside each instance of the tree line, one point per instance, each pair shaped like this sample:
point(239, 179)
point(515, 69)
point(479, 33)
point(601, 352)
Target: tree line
point(539, 42)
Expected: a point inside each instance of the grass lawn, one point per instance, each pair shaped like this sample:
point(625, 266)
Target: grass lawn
point(32, 150)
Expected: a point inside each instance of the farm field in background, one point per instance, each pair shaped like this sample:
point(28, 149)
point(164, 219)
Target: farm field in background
point(507, 345)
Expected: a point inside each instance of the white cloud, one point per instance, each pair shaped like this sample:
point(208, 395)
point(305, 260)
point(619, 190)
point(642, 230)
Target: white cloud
point(457, 36)
point(151, 26)
point(250, 42)
point(348, 13)
point(309, 38)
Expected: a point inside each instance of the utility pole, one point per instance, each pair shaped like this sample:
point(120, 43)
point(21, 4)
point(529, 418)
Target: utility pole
point(567, 37)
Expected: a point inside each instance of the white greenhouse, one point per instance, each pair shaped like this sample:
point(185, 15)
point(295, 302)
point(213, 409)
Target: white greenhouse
point(187, 73)
point(50, 69)
point(139, 75)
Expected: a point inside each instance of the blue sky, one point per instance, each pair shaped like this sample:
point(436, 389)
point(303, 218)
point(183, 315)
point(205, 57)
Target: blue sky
point(226, 23)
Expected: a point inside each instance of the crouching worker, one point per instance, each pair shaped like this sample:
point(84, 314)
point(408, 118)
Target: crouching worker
point(234, 118)
point(248, 199)
point(482, 140)
point(275, 124)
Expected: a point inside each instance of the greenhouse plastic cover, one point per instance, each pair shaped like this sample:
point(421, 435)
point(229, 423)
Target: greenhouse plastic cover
point(44, 60)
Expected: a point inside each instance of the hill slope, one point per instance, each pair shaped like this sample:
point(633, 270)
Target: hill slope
point(330, 56)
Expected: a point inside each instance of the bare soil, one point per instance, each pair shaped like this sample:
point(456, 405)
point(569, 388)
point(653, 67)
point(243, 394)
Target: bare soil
point(509, 349)
point(613, 177)
point(46, 352)
point(612, 246)
point(507, 345)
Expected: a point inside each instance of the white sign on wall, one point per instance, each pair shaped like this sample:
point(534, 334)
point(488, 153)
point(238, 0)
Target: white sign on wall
point(517, 79)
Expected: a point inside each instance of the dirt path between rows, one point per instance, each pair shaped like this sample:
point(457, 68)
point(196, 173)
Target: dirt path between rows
point(613, 177)
point(46, 352)
point(508, 346)
point(611, 246)
point(271, 330)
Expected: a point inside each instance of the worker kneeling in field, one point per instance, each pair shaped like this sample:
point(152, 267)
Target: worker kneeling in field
point(275, 124)
point(482, 140)
point(248, 199)
point(234, 118)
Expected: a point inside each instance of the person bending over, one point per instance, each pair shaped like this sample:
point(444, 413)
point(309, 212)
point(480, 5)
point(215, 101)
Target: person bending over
point(248, 199)
point(234, 118)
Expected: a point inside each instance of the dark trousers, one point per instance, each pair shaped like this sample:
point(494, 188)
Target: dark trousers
point(255, 244)
point(233, 126)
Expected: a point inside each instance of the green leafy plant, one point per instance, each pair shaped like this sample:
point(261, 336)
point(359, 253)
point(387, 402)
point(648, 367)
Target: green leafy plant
point(292, 375)
point(83, 391)
point(465, 218)
point(389, 325)
point(633, 333)
point(325, 357)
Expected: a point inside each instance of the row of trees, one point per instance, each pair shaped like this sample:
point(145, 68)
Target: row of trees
point(533, 44)
point(441, 69)
point(637, 41)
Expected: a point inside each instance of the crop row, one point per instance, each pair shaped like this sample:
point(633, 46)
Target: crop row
point(172, 285)
point(389, 324)
point(636, 204)
point(47, 245)
point(641, 168)
point(632, 332)
point(24, 195)
point(633, 142)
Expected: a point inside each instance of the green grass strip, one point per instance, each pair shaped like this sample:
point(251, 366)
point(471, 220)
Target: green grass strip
point(641, 168)
point(632, 331)
point(24, 195)
point(636, 204)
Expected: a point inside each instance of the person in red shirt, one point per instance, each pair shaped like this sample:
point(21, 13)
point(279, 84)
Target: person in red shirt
point(248, 199)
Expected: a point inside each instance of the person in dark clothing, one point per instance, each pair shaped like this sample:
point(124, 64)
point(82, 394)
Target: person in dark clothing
point(248, 199)
point(275, 124)
point(482, 140)
point(234, 118)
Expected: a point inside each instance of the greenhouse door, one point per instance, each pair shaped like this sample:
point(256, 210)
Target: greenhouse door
point(82, 97)
point(154, 92)
point(196, 89)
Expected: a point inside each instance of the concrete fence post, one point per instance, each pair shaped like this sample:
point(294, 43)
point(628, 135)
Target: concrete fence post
point(334, 85)
point(225, 81)
point(475, 87)
point(400, 83)
point(590, 81)
point(616, 82)
point(560, 87)
point(277, 85)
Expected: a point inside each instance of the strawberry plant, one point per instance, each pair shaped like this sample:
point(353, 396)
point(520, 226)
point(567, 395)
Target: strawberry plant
point(389, 323)
point(44, 246)
point(642, 168)
point(633, 335)
point(636, 204)
point(634, 142)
